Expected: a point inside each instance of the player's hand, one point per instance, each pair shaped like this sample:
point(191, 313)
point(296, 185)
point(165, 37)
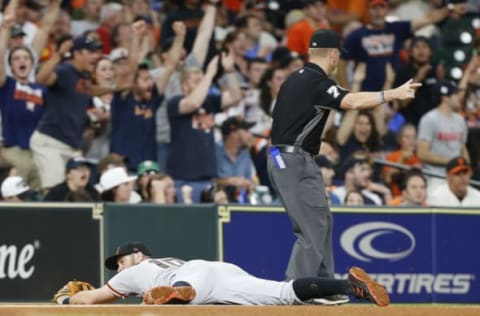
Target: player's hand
point(407, 90)
point(70, 289)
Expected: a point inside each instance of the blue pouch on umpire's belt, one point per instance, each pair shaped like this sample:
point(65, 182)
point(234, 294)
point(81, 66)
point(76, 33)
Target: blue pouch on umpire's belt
point(277, 158)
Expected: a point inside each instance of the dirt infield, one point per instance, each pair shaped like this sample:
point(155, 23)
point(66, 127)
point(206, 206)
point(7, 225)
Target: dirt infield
point(142, 310)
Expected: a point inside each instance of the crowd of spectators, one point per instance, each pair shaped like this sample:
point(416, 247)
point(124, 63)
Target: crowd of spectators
point(151, 101)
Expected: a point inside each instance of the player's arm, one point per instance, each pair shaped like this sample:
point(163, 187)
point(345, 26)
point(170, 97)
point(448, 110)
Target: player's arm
point(101, 295)
point(367, 100)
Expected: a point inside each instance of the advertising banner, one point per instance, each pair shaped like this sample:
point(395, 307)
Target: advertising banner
point(179, 231)
point(41, 248)
point(419, 255)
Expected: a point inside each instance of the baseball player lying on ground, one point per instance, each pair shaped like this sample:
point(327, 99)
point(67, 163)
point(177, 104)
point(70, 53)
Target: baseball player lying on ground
point(174, 281)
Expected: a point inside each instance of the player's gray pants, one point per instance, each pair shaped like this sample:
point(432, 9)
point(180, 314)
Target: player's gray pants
point(302, 192)
point(225, 283)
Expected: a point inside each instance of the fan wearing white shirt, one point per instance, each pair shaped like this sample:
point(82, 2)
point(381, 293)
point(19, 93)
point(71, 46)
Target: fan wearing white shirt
point(457, 191)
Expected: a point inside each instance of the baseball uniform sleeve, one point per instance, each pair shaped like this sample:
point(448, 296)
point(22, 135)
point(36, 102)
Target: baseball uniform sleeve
point(120, 283)
point(328, 94)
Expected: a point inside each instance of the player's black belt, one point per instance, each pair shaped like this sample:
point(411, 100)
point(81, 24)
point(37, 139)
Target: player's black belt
point(291, 149)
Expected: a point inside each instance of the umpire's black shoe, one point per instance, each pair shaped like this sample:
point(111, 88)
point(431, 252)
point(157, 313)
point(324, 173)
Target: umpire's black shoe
point(366, 288)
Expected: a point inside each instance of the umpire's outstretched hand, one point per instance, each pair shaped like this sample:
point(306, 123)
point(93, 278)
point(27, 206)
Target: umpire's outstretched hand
point(406, 90)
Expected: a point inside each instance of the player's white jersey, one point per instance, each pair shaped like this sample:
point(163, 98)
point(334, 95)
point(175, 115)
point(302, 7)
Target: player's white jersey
point(214, 282)
point(138, 279)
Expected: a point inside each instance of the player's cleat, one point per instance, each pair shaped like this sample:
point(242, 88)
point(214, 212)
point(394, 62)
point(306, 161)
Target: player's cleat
point(331, 300)
point(169, 294)
point(366, 288)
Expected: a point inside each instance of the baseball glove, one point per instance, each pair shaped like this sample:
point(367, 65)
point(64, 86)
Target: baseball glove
point(70, 289)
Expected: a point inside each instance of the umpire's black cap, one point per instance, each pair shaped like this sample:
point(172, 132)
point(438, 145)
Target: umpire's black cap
point(123, 250)
point(326, 39)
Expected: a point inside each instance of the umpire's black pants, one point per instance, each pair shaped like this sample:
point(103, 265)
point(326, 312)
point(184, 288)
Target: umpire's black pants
point(302, 193)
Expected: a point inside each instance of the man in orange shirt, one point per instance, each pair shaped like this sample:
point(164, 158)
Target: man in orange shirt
point(298, 35)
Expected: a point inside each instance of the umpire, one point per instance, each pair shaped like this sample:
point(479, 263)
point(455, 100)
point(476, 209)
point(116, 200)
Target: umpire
point(300, 113)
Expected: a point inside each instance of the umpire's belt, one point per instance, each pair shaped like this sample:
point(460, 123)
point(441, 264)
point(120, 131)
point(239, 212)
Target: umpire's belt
point(291, 149)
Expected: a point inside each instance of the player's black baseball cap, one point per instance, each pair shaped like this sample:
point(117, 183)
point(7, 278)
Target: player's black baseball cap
point(123, 250)
point(326, 39)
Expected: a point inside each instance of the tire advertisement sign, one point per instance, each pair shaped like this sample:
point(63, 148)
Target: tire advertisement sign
point(419, 255)
point(43, 248)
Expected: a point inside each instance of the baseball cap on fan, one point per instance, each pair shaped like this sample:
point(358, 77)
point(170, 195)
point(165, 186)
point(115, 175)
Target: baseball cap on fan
point(458, 165)
point(326, 39)
point(13, 186)
point(87, 42)
point(76, 162)
point(113, 177)
point(118, 54)
point(444, 88)
point(234, 123)
point(123, 250)
point(147, 166)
